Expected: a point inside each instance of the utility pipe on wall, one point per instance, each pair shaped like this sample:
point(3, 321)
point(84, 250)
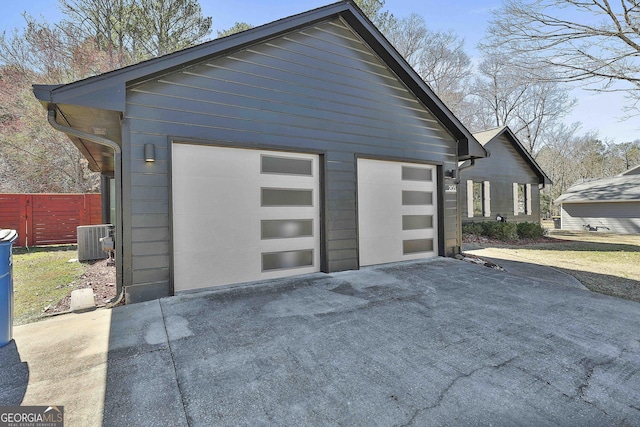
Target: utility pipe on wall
point(117, 171)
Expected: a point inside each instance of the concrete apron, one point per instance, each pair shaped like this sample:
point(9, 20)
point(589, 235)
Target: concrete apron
point(61, 361)
point(81, 361)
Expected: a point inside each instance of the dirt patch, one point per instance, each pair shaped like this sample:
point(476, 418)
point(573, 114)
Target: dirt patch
point(99, 276)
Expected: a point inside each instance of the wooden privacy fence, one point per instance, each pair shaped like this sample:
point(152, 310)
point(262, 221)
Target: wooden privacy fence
point(48, 219)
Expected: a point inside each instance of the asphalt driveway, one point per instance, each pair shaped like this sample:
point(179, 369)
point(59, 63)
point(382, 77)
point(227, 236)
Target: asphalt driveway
point(439, 342)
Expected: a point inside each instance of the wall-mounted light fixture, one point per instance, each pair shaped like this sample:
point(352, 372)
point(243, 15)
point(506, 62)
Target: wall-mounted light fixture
point(149, 153)
point(451, 173)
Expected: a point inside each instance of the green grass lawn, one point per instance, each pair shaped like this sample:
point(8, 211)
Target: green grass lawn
point(603, 262)
point(41, 277)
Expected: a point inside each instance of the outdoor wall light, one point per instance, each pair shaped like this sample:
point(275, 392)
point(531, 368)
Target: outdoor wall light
point(149, 153)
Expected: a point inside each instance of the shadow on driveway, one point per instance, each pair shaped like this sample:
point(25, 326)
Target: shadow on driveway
point(15, 376)
point(616, 286)
point(438, 342)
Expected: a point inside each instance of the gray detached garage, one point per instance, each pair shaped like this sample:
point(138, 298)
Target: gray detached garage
point(303, 145)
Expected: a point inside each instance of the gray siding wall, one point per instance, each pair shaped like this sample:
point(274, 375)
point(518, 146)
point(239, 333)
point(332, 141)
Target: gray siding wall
point(502, 169)
point(320, 89)
point(620, 217)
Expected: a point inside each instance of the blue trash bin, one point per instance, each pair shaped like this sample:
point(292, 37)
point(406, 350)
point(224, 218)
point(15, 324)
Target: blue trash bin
point(7, 237)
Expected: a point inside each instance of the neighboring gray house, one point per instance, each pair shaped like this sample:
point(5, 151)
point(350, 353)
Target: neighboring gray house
point(304, 145)
point(607, 204)
point(632, 171)
point(506, 184)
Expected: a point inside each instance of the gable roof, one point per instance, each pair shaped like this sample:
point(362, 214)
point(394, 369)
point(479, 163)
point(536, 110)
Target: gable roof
point(103, 97)
point(632, 171)
point(489, 135)
point(614, 189)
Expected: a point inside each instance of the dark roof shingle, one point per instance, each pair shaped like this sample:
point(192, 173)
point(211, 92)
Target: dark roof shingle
point(614, 189)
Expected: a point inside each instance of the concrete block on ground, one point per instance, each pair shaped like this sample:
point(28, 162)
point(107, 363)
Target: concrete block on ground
point(82, 300)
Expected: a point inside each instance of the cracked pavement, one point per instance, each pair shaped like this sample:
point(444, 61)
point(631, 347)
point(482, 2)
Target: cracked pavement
point(436, 342)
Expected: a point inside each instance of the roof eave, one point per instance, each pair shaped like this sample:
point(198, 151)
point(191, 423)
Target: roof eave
point(108, 90)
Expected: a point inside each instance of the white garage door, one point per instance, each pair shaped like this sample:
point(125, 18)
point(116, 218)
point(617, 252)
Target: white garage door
point(396, 211)
point(243, 215)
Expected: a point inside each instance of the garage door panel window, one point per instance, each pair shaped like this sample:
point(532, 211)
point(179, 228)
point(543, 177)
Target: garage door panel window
point(414, 246)
point(287, 260)
point(412, 198)
point(286, 197)
point(416, 174)
point(286, 166)
point(286, 228)
point(417, 222)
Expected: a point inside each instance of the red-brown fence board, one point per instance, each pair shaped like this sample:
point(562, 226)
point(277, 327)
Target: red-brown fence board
point(48, 219)
point(10, 211)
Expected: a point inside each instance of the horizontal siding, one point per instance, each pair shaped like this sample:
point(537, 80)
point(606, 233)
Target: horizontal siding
point(319, 89)
point(502, 169)
point(621, 218)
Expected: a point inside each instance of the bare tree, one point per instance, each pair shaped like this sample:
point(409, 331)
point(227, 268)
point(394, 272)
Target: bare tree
point(569, 158)
point(626, 155)
point(438, 57)
point(166, 26)
point(109, 23)
point(595, 41)
point(35, 157)
point(97, 36)
point(508, 95)
point(133, 30)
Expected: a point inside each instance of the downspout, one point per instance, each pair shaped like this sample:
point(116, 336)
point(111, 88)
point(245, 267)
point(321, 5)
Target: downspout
point(117, 172)
point(472, 163)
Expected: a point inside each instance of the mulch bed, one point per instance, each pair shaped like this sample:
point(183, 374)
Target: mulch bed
point(99, 276)
point(472, 239)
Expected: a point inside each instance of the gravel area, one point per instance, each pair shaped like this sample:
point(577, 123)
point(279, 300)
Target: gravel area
point(99, 276)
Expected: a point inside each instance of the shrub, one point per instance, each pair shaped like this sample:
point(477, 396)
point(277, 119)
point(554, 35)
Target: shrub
point(505, 230)
point(472, 228)
point(492, 229)
point(500, 230)
point(530, 230)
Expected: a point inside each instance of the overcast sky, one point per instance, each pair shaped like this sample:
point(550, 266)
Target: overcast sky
point(468, 18)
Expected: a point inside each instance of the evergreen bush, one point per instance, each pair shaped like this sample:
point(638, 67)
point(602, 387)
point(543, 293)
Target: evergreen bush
point(504, 230)
point(530, 230)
